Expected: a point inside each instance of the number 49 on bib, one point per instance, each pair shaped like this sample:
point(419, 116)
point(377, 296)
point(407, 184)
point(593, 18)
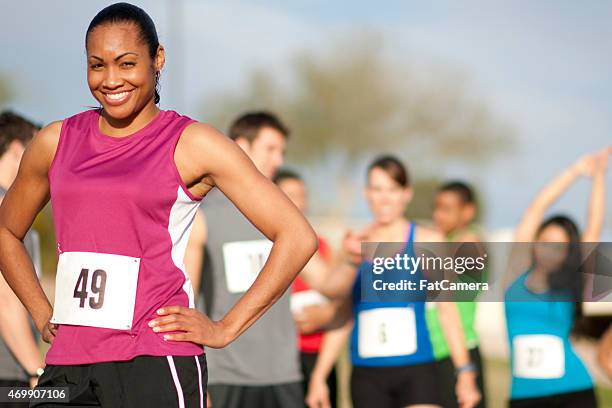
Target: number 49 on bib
point(95, 289)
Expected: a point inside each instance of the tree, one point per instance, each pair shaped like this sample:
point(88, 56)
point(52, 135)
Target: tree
point(5, 90)
point(353, 102)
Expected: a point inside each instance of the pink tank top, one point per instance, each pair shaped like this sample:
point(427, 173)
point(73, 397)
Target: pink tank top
point(124, 196)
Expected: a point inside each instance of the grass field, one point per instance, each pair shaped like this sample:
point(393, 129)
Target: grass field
point(498, 381)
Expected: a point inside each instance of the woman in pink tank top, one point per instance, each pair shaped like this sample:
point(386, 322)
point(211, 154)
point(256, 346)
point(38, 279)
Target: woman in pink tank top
point(125, 182)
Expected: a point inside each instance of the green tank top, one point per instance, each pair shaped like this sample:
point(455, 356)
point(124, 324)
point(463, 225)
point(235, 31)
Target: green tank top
point(467, 313)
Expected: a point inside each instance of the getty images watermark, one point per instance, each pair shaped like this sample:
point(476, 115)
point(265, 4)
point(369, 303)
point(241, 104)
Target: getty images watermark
point(396, 272)
point(413, 264)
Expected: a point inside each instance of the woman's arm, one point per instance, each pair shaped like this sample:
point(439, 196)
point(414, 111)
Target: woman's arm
point(206, 158)
point(334, 283)
point(337, 282)
point(331, 347)
point(16, 330)
point(466, 389)
point(597, 201)
point(519, 259)
point(25, 198)
point(534, 214)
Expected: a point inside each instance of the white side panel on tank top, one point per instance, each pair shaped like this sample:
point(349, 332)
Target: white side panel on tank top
point(180, 224)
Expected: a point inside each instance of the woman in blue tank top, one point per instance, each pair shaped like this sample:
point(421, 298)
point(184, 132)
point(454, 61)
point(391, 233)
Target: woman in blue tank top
point(391, 353)
point(542, 303)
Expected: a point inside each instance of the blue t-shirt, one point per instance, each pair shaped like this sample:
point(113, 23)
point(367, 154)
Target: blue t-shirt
point(392, 332)
point(543, 360)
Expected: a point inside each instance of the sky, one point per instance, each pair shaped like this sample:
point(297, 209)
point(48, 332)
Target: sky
point(542, 67)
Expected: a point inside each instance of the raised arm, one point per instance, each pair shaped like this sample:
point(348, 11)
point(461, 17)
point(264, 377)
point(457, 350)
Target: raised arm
point(207, 158)
point(520, 255)
point(534, 214)
point(597, 201)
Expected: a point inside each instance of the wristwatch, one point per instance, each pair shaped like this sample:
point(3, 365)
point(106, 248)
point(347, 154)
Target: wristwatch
point(39, 371)
point(466, 367)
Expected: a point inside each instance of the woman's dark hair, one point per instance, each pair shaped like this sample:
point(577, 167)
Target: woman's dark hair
point(568, 278)
point(393, 167)
point(128, 13)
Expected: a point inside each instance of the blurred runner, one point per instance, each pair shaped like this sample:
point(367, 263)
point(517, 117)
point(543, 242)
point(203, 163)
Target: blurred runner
point(261, 368)
point(391, 352)
point(20, 359)
point(455, 208)
point(541, 304)
point(312, 311)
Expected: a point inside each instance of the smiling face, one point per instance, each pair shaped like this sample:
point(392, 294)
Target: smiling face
point(386, 197)
point(120, 71)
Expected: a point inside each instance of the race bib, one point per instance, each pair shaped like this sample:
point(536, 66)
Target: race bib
point(243, 261)
point(305, 298)
point(94, 289)
point(387, 332)
point(539, 356)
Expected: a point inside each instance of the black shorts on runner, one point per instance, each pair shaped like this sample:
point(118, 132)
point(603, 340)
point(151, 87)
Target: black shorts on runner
point(288, 395)
point(144, 382)
point(447, 380)
point(578, 399)
point(394, 387)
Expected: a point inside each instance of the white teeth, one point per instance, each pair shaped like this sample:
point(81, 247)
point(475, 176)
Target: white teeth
point(117, 96)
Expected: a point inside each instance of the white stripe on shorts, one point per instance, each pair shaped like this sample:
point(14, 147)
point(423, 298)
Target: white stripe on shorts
point(177, 384)
point(200, 381)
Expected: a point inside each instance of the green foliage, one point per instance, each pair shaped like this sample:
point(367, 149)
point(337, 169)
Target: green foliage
point(5, 90)
point(422, 204)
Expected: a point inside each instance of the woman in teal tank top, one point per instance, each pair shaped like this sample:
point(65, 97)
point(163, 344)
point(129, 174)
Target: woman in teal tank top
point(542, 303)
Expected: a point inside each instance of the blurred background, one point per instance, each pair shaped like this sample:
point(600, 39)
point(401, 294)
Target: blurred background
point(502, 95)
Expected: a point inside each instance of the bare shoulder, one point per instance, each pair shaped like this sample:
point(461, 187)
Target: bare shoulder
point(200, 136)
point(207, 149)
point(41, 150)
point(202, 155)
point(200, 140)
point(49, 135)
point(428, 234)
